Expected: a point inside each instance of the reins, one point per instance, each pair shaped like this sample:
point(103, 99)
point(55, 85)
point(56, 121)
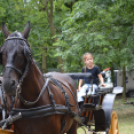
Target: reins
point(28, 103)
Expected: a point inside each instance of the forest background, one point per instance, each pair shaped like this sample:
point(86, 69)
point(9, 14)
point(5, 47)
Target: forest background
point(63, 30)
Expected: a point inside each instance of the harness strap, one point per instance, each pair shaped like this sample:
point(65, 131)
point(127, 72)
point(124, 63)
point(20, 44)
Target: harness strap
point(3, 107)
point(28, 103)
point(57, 83)
point(10, 38)
point(46, 110)
point(63, 124)
point(13, 67)
point(51, 97)
point(40, 111)
point(62, 90)
point(67, 101)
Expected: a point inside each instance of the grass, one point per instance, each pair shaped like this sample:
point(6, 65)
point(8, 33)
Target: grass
point(126, 125)
point(125, 114)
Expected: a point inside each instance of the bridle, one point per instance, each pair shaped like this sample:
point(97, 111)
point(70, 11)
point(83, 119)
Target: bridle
point(17, 95)
point(28, 56)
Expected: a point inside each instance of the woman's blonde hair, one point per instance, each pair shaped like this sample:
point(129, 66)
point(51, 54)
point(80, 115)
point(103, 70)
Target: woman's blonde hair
point(85, 56)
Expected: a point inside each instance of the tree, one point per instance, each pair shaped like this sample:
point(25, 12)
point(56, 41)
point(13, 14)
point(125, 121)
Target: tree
point(104, 28)
point(51, 22)
point(17, 13)
point(53, 12)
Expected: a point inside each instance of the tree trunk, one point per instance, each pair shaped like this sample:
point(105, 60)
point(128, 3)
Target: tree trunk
point(44, 61)
point(112, 74)
point(50, 20)
point(124, 83)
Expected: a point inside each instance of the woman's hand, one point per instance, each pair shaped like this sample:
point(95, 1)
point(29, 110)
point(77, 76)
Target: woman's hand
point(79, 88)
point(101, 80)
point(103, 85)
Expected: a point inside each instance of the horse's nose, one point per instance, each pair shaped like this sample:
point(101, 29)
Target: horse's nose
point(9, 85)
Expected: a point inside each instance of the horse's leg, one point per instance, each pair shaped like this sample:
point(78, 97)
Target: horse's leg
point(73, 129)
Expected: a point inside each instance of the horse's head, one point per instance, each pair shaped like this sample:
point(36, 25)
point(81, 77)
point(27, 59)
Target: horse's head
point(14, 56)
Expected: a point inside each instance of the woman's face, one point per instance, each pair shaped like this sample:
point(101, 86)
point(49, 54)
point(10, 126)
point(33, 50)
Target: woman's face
point(89, 60)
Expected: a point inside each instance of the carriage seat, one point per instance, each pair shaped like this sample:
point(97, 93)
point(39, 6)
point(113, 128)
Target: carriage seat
point(93, 104)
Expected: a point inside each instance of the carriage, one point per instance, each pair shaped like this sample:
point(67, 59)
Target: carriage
point(100, 115)
point(43, 103)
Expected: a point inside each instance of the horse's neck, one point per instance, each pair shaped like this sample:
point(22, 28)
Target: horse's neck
point(32, 83)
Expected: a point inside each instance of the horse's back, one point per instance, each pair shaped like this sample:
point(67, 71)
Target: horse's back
point(65, 79)
point(70, 84)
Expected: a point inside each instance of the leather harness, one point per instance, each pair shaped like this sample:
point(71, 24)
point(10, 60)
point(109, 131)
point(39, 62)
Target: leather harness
point(46, 110)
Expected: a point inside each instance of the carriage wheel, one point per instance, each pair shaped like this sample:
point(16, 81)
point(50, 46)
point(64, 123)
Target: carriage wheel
point(114, 129)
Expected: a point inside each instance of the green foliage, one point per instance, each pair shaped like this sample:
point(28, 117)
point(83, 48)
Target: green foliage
point(102, 27)
point(16, 13)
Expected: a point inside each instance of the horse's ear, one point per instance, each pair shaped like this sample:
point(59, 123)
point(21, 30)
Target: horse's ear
point(26, 31)
point(5, 30)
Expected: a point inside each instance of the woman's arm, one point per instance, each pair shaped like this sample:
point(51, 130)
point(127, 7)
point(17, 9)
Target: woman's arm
point(80, 84)
point(101, 79)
